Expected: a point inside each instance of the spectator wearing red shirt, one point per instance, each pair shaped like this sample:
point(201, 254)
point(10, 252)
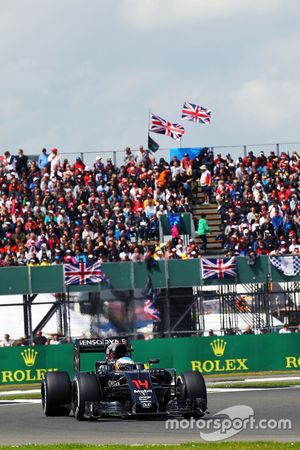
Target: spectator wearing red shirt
point(186, 163)
point(79, 165)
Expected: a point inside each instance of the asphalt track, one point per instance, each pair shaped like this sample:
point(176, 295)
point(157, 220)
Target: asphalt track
point(25, 423)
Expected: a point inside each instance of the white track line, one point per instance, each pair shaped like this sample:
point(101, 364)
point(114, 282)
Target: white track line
point(20, 392)
point(261, 380)
point(20, 401)
point(228, 390)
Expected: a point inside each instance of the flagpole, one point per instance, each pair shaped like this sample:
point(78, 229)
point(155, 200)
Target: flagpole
point(148, 125)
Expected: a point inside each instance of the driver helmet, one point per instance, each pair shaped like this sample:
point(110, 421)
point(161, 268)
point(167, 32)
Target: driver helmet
point(125, 363)
point(116, 351)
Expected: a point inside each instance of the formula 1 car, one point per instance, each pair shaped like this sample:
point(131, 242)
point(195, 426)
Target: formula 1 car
point(120, 387)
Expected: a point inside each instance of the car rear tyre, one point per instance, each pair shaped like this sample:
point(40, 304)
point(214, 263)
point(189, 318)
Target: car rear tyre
point(86, 388)
point(192, 386)
point(56, 394)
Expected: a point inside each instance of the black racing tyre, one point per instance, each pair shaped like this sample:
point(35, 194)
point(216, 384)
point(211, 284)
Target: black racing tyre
point(86, 388)
point(191, 386)
point(56, 391)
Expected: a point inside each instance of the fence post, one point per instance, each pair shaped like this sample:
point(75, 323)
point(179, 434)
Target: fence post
point(82, 156)
point(277, 149)
point(245, 150)
point(115, 157)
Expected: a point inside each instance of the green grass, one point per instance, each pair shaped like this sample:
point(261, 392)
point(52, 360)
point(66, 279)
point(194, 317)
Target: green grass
point(18, 387)
point(20, 396)
point(189, 446)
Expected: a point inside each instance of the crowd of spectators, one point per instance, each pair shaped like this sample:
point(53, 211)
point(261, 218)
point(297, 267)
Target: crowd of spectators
point(38, 339)
point(259, 202)
point(54, 211)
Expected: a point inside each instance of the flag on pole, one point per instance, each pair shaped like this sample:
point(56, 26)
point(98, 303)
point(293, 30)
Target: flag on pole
point(150, 310)
point(84, 273)
point(162, 126)
point(288, 265)
point(195, 113)
point(152, 145)
point(218, 268)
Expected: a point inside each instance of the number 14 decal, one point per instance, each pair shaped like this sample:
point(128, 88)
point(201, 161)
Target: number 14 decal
point(141, 384)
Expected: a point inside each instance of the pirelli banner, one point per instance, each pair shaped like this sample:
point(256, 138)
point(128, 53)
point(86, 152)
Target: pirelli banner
point(209, 355)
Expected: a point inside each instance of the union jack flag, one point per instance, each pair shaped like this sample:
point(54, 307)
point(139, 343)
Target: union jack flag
point(162, 126)
point(195, 113)
point(218, 267)
point(84, 273)
point(151, 312)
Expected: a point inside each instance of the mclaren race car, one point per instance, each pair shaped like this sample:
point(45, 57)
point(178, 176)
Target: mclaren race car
point(120, 387)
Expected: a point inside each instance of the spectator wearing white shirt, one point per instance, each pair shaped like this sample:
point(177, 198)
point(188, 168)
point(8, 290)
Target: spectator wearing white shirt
point(7, 342)
point(55, 162)
point(285, 329)
point(54, 340)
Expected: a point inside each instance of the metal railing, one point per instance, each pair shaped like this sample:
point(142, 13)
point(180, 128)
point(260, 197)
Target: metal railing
point(235, 151)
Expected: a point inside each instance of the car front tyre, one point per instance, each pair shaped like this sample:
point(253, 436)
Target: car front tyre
point(86, 388)
point(56, 394)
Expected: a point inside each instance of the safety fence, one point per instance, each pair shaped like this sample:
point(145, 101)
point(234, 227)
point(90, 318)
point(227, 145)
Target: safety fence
point(129, 275)
point(210, 355)
point(117, 155)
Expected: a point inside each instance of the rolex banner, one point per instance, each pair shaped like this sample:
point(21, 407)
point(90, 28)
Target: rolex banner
point(210, 355)
point(224, 354)
point(19, 365)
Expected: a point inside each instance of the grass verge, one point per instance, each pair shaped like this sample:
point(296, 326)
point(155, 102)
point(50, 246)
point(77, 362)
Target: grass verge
point(18, 387)
point(258, 445)
point(20, 397)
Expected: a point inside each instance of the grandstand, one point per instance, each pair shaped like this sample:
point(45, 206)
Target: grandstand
point(54, 210)
point(136, 206)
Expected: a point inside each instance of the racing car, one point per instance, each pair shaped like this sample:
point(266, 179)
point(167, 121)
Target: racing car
point(120, 387)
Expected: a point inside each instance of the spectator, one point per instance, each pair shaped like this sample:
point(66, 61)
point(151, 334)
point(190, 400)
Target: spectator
point(55, 162)
point(21, 163)
point(285, 329)
point(175, 233)
point(203, 229)
point(79, 166)
point(54, 340)
point(43, 160)
point(7, 342)
point(129, 157)
point(205, 183)
point(248, 330)
point(186, 164)
point(21, 342)
point(9, 162)
point(39, 339)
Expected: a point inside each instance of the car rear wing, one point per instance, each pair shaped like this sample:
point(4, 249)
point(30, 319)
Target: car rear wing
point(100, 345)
